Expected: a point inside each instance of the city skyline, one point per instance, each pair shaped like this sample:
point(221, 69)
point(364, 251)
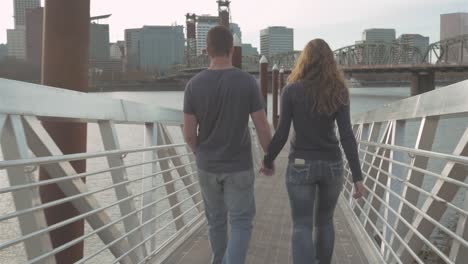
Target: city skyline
point(332, 21)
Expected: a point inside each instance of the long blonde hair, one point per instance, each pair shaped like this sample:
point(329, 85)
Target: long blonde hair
point(317, 63)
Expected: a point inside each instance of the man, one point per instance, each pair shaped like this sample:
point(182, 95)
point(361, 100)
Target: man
point(217, 106)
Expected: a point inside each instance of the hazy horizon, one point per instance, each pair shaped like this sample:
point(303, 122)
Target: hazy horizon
point(339, 22)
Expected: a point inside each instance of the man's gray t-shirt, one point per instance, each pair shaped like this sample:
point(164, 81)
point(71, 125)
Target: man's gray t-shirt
point(222, 101)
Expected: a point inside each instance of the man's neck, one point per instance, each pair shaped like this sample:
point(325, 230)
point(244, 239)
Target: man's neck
point(220, 63)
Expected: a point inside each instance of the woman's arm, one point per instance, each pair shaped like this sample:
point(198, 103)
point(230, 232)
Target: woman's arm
point(348, 142)
point(282, 132)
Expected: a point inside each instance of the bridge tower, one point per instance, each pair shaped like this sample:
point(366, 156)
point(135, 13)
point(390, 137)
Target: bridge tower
point(224, 12)
point(191, 20)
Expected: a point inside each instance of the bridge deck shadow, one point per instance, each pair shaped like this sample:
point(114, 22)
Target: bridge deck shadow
point(270, 242)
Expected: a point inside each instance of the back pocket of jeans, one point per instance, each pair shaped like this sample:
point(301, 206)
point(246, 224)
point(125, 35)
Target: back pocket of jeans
point(298, 174)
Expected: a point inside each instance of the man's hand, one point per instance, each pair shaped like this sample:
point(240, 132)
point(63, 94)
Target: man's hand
point(266, 171)
point(358, 190)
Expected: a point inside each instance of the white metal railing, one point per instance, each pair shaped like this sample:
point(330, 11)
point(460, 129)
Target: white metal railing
point(414, 157)
point(139, 201)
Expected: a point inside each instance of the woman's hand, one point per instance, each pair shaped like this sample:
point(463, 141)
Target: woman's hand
point(266, 171)
point(358, 190)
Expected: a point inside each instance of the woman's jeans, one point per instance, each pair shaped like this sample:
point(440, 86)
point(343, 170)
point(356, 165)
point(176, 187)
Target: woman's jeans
point(313, 188)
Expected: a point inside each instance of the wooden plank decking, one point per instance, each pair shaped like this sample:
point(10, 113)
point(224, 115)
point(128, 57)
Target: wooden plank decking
point(270, 242)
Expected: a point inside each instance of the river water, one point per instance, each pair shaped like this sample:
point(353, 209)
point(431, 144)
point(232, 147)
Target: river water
point(131, 136)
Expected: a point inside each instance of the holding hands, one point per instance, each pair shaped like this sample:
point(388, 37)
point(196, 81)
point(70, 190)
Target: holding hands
point(358, 190)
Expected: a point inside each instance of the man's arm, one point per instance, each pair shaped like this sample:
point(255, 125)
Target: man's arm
point(259, 119)
point(190, 130)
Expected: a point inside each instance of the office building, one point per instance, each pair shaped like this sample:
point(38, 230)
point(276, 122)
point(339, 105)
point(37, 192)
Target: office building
point(16, 39)
point(132, 38)
point(408, 43)
point(235, 29)
point(160, 47)
point(387, 35)
point(453, 25)
point(275, 40)
point(414, 40)
point(3, 51)
point(34, 30)
point(117, 50)
point(99, 42)
point(204, 24)
point(249, 50)
point(372, 48)
point(20, 7)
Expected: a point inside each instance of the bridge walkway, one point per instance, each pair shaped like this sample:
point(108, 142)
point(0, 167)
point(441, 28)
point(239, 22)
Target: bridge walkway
point(270, 242)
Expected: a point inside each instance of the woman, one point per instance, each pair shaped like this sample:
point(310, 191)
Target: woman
point(316, 96)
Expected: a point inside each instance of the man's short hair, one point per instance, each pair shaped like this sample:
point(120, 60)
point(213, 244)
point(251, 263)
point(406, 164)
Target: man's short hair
point(219, 41)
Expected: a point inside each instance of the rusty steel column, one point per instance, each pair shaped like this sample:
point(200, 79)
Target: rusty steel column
point(65, 65)
point(275, 88)
point(264, 81)
point(237, 55)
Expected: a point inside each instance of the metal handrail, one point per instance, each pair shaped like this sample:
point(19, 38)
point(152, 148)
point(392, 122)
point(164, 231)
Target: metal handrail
point(167, 176)
point(85, 174)
point(419, 152)
point(81, 156)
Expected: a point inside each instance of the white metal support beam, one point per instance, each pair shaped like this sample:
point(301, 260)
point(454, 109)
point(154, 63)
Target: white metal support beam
point(42, 145)
point(110, 141)
point(14, 146)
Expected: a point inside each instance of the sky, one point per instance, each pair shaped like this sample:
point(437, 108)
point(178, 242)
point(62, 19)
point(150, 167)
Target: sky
point(339, 22)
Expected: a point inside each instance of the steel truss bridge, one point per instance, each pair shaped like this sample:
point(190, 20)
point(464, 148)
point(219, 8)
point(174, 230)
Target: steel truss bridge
point(453, 51)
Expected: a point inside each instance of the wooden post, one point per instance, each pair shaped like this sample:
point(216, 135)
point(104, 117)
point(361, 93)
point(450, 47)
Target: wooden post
point(237, 55)
point(275, 83)
point(65, 65)
point(281, 80)
point(264, 81)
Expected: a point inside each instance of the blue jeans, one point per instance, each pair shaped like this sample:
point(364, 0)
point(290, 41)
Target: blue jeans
point(229, 194)
point(313, 190)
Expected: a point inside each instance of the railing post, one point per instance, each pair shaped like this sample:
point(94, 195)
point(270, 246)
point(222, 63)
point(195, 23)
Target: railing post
point(14, 146)
point(275, 82)
point(398, 139)
point(151, 136)
point(264, 81)
point(65, 65)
